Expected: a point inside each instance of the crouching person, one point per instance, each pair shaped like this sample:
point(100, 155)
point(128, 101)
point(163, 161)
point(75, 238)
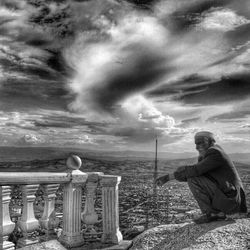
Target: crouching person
point(213, 181)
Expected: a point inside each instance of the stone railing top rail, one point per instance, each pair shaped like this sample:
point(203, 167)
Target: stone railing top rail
point(12, 178)
point(73, 175)
point(76, 176)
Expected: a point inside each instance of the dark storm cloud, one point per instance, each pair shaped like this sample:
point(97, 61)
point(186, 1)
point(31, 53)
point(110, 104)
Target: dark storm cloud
point(57, 62)
point(26, 87)
point(204, 92)
point(36, 72)
point(145, 70)
point(36, 92)
point(63, 121)
point(143, 4)
point(51, 124)
point(48, 27)
point(227, 89)
point(42, 25)
point(192, 83)
point(230, 116)
point(187, 122)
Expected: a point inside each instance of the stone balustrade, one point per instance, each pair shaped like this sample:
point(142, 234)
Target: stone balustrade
point(73, 183)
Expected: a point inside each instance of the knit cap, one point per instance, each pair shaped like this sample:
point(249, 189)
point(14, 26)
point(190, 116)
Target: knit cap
point(202, 134)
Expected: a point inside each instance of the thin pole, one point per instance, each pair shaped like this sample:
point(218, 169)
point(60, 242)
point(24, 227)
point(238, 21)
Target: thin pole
point(155, 170)
point(155, 195)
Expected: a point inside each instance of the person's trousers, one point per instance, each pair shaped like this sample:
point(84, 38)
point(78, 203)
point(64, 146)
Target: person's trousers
point(203, 191)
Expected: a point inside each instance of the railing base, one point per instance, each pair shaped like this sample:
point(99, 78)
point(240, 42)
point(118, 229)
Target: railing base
point(114, 238)
point(123, 245)
point(7, 245)
point(49, 235)
point(26, 242)
point(71, 241)
point(52, 244)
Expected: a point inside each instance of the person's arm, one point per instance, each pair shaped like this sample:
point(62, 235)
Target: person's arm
point(165, 178)
point(180, 174)
point(212, 161)
point(171, 177)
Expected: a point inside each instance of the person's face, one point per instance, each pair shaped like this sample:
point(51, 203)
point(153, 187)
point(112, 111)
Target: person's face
point(202, 144)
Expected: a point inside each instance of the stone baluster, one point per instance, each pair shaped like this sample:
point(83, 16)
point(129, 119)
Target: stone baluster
point(89, 215)
point(71, 235)
point(110, 209)
point(6, 225)
point(28, 223)
point(48, 221)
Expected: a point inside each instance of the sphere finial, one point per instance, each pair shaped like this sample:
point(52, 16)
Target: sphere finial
point(74, 162)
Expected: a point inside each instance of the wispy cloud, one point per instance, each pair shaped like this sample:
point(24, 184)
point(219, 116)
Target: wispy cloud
point(221, 19)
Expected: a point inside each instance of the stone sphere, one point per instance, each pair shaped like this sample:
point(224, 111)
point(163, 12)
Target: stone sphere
point(74, 162)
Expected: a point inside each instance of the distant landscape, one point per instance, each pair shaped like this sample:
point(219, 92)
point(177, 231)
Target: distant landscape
point(128, 162)
point(43, 153)
point(136, 201)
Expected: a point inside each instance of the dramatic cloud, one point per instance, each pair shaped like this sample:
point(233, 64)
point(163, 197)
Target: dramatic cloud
point(222, 20)
point(140, 52)
point(113, 74)
point(127, 61)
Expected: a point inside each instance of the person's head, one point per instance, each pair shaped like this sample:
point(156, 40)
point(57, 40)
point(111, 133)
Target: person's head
point(203, 141)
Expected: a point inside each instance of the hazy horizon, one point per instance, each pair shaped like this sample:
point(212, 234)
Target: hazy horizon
point(113, 75)
point(9, 154)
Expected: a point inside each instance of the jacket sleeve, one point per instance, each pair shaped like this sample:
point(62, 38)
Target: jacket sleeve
point(180, 174)
point(212, 160)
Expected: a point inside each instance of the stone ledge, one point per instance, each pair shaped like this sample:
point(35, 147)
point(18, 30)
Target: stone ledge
point(228, 234)
point(56, 245)
point(48, 245)
point(123, 245)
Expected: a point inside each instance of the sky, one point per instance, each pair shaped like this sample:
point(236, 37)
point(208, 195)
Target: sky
point(114, 75)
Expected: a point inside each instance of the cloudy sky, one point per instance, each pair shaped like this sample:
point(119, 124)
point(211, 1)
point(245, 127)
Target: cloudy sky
point(113, 75)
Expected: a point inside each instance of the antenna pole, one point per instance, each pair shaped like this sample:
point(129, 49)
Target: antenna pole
point(155, 170)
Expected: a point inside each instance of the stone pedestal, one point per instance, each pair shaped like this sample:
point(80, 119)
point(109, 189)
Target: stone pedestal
point(6, 225)
point(72, 201)
point(110, 209)
point(28, 223)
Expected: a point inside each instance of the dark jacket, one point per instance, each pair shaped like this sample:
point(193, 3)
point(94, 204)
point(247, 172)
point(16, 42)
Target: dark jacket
point(219, 168)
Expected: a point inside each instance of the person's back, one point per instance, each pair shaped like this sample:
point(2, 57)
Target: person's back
point(225, 174)
point(217, 166)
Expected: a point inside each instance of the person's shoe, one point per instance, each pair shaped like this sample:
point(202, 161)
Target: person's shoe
point(206, 218)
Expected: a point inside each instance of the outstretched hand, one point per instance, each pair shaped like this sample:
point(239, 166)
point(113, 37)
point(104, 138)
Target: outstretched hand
point(162, 180)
